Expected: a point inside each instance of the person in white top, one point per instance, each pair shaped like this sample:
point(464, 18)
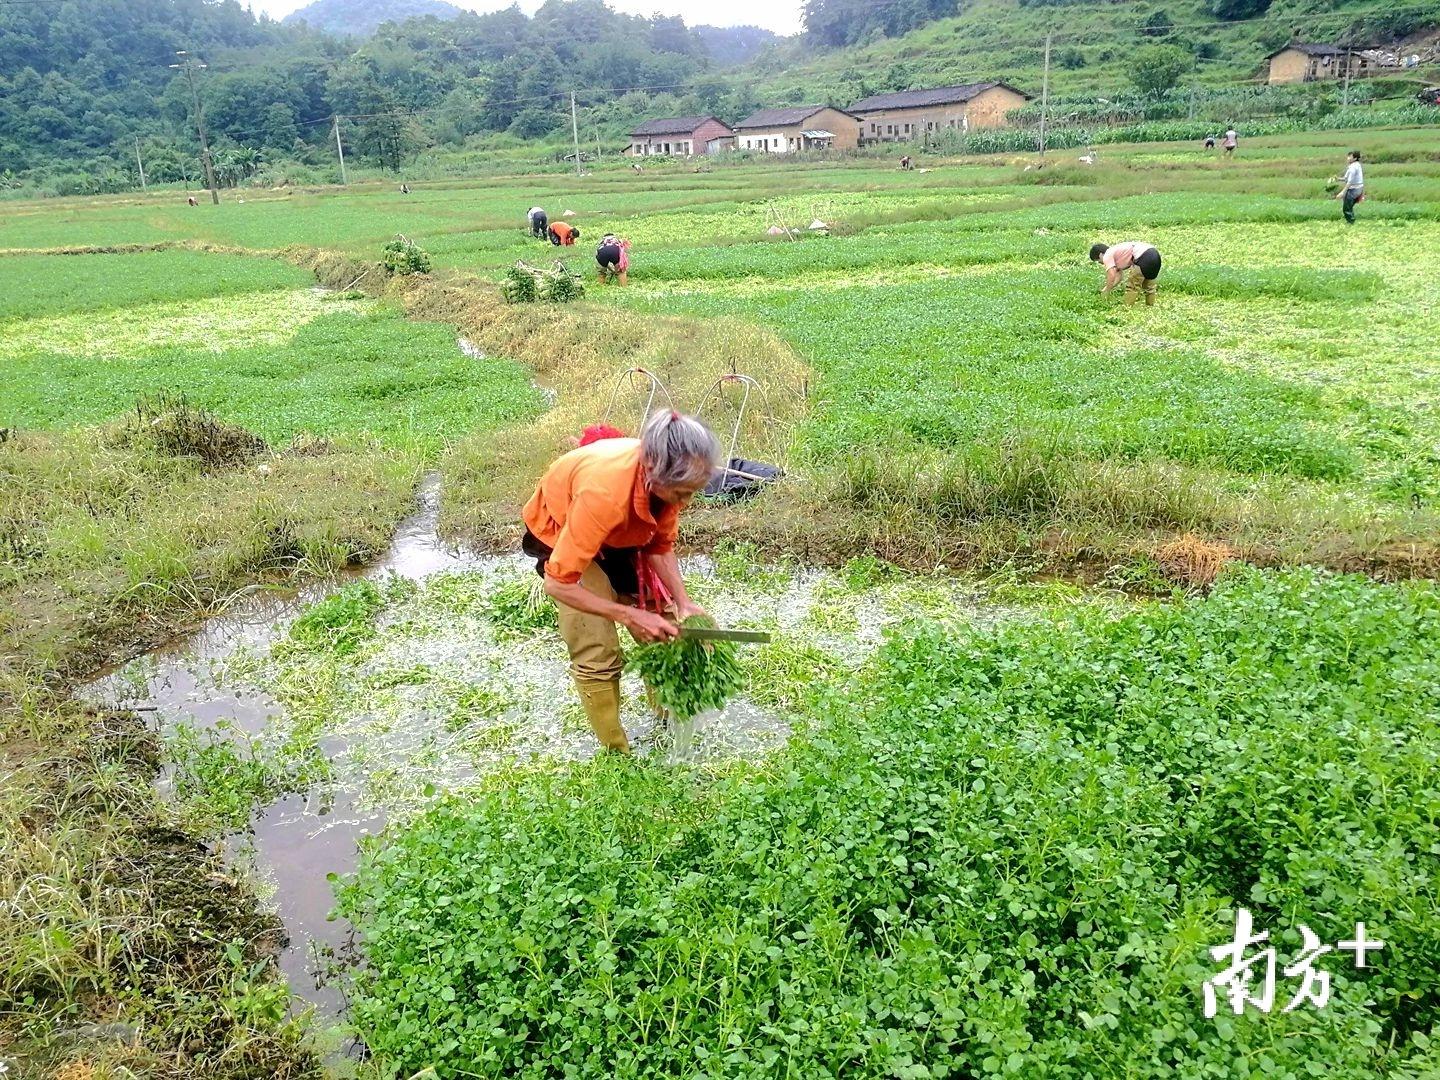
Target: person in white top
point(1140, 258)
point(1352, 186)
point(538, 222)
point(1231, 141)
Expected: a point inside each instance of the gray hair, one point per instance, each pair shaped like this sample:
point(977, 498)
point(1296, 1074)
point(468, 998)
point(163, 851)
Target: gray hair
point(677, 450)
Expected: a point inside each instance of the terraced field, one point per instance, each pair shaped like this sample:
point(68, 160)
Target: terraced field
point(1094, 624)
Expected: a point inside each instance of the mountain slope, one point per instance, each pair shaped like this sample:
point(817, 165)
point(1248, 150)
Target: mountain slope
point(1093, 43)
point(361, 18)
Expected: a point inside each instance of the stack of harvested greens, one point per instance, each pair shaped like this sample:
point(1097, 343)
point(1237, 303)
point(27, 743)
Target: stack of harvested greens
point(688, 677)
point(525, 284)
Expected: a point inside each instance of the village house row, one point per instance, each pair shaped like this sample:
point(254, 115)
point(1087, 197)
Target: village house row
point(897, 117)
point(912, 114)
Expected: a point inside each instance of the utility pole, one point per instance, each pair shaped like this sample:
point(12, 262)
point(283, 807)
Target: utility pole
point(575, 131)
point(597, 144)
point(1345, 99)
point(1192, 102)
point(188, 66)
point(340, 149)
point(139, 163)
point(1044, 95)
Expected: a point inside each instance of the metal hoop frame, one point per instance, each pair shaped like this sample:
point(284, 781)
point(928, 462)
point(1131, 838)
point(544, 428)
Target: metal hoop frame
point(634, 375)
point(717, 391)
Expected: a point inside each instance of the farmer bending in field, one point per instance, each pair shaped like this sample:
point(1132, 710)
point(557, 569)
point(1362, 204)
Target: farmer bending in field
point(539, 223)
point(1143, 262)
point(602, 522)
point(613, 258)
point(563, 234)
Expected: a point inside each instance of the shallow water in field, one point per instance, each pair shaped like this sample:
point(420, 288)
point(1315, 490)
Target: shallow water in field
point(443, 695)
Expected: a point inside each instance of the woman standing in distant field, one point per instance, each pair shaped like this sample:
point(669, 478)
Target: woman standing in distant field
point(1352, 186)
point(1141, 259)
point(1232, 140)
point(613, 257)
point(599, 513)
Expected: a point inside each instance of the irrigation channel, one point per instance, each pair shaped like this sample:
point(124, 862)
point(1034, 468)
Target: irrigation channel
point(442, 696)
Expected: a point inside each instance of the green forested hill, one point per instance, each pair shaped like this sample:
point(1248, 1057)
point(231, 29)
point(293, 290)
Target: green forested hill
point(361, 18)
point(85, 83)
point(1093, 42)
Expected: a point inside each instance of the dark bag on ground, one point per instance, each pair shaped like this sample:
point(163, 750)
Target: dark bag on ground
point(732, 487)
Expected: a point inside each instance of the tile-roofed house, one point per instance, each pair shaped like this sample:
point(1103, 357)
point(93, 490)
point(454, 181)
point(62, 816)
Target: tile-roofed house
point(909, 114)
point(798, 127)
point(1311, 61)
point(681, 135)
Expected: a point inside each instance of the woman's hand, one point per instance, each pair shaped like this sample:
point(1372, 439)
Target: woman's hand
point(689, 608)
point(647, 626)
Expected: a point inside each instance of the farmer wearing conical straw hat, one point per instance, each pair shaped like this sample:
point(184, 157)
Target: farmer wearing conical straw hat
point(602, 522)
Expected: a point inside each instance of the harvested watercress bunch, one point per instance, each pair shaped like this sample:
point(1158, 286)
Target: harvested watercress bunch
point(688, 676)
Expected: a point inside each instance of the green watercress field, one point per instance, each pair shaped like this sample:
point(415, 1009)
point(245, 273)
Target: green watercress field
point(1000, 853)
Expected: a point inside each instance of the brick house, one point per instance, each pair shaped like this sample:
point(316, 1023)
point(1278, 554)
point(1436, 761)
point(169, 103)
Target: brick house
point(800, 127)
point(681, 136)
point(1299, 62)
point(910, 114)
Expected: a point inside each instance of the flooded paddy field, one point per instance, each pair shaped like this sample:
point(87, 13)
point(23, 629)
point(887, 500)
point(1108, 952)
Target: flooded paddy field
point(450, 674)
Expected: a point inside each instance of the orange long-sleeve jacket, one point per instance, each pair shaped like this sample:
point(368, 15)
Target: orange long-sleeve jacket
point(595, 497)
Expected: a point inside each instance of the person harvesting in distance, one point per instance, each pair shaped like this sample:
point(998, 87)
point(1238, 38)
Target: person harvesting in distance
point(1141, 259)
point(1352, 186)
point(1209, 142)
point(539, 223)
point(1232, 140)
point(613, 257)
point(603, 515)
point(563, 234)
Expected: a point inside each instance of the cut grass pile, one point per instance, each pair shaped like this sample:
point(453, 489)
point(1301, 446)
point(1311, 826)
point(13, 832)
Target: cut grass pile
point(1000, 853)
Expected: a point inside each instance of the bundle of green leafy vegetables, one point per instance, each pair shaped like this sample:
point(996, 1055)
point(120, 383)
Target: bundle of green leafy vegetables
point(688, 677)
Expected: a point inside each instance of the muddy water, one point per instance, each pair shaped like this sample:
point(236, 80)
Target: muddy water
point(295, 843)
point(443, 696)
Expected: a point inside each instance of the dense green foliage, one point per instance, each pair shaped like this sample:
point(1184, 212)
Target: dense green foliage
point(688, 676)
point(516, 607)
point(341, 622)
point(847, 22)
point(361, 18)
point(405, 257)
point(1156, 69)
point(84, 77)
point(1003, 852)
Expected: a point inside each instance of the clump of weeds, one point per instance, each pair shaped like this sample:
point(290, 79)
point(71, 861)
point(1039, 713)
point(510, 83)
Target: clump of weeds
point(171, 424)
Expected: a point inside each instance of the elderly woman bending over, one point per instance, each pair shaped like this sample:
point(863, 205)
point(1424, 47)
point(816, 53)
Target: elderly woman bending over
point(602, 520)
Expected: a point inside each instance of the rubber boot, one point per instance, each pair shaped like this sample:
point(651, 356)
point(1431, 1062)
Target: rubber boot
point(1132, 290)
point(1152, 289)
point(601, 700)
